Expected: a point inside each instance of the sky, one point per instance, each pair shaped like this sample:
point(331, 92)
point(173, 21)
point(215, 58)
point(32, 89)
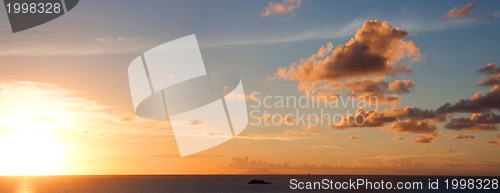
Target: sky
point(431, 66)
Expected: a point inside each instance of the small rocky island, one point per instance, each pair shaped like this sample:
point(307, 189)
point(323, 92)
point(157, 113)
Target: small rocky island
point(255, 181)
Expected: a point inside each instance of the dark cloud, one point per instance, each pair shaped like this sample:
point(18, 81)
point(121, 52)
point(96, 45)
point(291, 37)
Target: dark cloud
point(479, 103)
point(476, 104)
point(404, 120)
point(477, 122)
point(490, 69)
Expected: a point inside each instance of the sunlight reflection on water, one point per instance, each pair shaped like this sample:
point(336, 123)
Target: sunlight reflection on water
point(25, 187)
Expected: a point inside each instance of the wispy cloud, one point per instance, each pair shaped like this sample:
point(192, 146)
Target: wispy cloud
point(462, 12)
point(339, 31)
point(48, 106)
point(342, 31)
point(95, 46)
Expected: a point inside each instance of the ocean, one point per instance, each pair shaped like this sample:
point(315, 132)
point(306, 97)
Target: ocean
point(238, 183)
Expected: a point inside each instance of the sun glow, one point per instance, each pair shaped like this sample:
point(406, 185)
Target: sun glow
point(29, 123)
point(31, 152)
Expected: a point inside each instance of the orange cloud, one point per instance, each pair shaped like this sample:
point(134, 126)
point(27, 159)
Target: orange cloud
point(287, 120)
point(360, 66)
point(460, 13)
point(285, 7)
point(463, 136)
point(477, 122)
point(412, 126)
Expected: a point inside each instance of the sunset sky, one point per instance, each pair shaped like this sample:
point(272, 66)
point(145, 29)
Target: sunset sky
point(66, 107)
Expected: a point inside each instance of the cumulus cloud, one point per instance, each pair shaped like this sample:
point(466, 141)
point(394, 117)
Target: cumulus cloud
point(360, 66)
point(463, 136)
point(481, 106)
point(404, 120)
point(492, 70)
point(477, 122)
point(455, 12)
point(476, 104)
point(412, 126)
point(282, 8)
point(479, 103)
point(401, 86)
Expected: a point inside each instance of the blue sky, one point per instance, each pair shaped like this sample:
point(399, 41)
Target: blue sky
point(90, 48)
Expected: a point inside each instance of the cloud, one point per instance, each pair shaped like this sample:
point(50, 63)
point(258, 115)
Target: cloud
point(306, 130)
point(412, 126)
point(445, 151)
point(463, 136)
point(404, 120)
point(327, 147)
point(477, 122)
point(50, 106)
point(494, 141)
point(398, 138)
point(361, 65)
point(455, 13)
point(287, 120)
point(490, 69)
point(423, 140)
point(354, 137)
point(194, 121)
point(479, 103)
point(402, 86)
point(285, 7)
point(237, 96)
point(76, 47)
point(476, 104)
point(265, 137)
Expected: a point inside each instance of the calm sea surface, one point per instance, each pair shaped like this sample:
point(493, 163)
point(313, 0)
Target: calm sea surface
point(212, 183)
